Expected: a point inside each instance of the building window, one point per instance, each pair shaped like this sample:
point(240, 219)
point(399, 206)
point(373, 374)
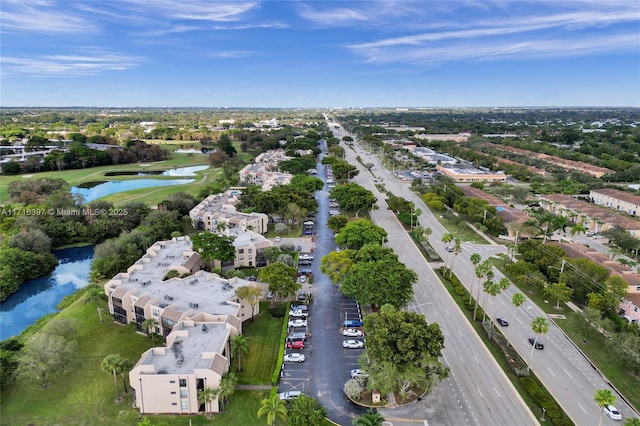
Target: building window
point(184, 404)
point(183, 393)
point(172, 381)
point(173, 392)
point(156, 312)
point(174, 403)
point(183, 383)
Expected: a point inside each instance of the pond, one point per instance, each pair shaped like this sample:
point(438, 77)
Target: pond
point(91, 191)
point(39, 297)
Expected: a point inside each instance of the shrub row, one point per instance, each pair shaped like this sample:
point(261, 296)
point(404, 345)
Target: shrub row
point(275, 378)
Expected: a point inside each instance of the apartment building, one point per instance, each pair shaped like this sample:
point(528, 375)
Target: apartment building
point(195, 311)
point(616, 199)
point(218, 212)
point(264, 172)
point(249, 246)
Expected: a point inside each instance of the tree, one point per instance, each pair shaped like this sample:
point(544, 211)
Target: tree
point(123, 367)
point(214, 247)
point(336, 264)
point(518, 300)
point(227, 387)
point(403, 349)
point(206, 396)
point(239, 346)
point(502, 285)
point(110, 365)
point(337, 222)
point(34, 240)
point(475, 260)
point(632, 421)
point(578, 228)
point(626, 344)
point(95, 295)
point(294, 214)
point(447, 237)
point(225, 144)
point(45, 355)
point(482, 269)
point(273, 407)
point(150, 324)
point(282, 279)
point(271, 253)
point(540, 326)
point(603, 397)
point(360, 232)
point(250, 293)
point(353, 198)
point(370, 418)
point(306, 411)
point(457, 248)
point(608, 299)
point(559, 291)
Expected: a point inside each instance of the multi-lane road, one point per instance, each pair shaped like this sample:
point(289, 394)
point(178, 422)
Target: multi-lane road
point(562, 368)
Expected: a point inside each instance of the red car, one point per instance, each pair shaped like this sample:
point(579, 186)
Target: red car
point(295, 345)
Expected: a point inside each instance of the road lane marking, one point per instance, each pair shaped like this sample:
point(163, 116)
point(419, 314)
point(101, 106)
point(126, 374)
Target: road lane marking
point(474, 357)
point(568, 373)
point(583, 408)
point(494, 388)
point(478, 389)
point(554, 374)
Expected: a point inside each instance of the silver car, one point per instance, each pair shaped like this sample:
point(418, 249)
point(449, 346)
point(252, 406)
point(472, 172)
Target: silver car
point(352, 344)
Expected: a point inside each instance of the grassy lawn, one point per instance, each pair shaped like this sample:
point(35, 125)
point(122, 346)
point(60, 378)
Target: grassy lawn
point(74, 177)
point(458, 227)
point(264, 342)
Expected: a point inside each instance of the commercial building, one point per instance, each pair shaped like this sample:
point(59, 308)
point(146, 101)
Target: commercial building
point(469, 174)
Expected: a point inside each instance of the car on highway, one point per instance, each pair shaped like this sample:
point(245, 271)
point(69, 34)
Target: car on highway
point(352, 323)
point(538, 344)
point(352, 332)
point(503, 322)
point(358, 373)
point(352, 344)
point(297, 323)
point(295, 345)
point(290, 396)
point(294, 357)
point(450, 249)
point(612, 412)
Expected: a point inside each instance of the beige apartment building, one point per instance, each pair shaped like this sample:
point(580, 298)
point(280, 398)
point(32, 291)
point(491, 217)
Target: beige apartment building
point(195, 311)
point(217, 212)
point(616, 199)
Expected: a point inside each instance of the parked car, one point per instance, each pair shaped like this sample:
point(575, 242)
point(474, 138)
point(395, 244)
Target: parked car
point(352, 332)
point(597, 237)
point(298, 248)
point(294, 357)
point(289, 396)
point(358, 374)
point(297, 336)
point(269, 295)
point(298, 314)
point(352, 323)
point(308, 232)
point(612, 412)
point(503, 322)
point(253, 278)
point(302, 295)
point(296, 344)
point(303, 279)
point(297, 323)
point(352, 344)
point(538, 344)
point(450, 249)
point(300, 307)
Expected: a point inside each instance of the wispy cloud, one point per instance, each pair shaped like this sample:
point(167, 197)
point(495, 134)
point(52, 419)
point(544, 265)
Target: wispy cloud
point(41, 17)
point(230, 54)
point(337, 16)
point(68, 65)
point(535, 35)
point(197, 10)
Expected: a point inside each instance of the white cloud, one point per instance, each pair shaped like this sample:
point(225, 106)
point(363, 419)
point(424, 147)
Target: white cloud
point(196, 10)
point(66, 65)
point(40, 16)
point(338, 16)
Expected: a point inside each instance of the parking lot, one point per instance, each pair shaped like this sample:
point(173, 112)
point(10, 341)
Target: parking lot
point(350, 310)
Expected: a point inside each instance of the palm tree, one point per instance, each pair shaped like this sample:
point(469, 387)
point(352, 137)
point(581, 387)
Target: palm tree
point(492, 288)
point(273, 407)
point(110, 365)
point(500, 286)
point(539, 326)
point(518, 300)
point(149, 324)
point(457, 248)
point(94, 295)
point(475, 259)
point(227, 387)
point(207, 396)
point(427, 233)
point(123, 367)
point(370, 418)
point(578, 228)
point(239, 345)
point(603, 397)
point(447, 237)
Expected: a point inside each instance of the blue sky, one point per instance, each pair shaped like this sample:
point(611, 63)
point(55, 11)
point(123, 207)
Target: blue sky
point(165, 53)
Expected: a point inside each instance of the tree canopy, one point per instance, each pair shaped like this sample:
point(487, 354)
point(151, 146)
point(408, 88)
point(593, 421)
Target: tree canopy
point(360, 232)
point(213, 246)
point(353, 198)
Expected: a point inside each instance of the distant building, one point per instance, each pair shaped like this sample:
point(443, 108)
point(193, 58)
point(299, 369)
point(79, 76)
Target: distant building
point(468, 174)
point(218, 212)
point(264, 172)
point(431, 156)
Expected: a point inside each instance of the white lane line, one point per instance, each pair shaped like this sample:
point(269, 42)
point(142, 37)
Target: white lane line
point(461, 360)
point(554, 374)
point(567, 373)
point(583, 408)
point(474, 357)
point(478, 389)
point(494, 388)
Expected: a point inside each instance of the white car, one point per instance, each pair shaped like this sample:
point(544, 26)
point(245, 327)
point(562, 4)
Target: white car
point(352, 344)
point(297, 323)
point(291, 395)
point(298, 314)
point(351, 332)
point(294, 357)
point(303, 279)
point(612, 412)
point(277, 239)
point(358, 374)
